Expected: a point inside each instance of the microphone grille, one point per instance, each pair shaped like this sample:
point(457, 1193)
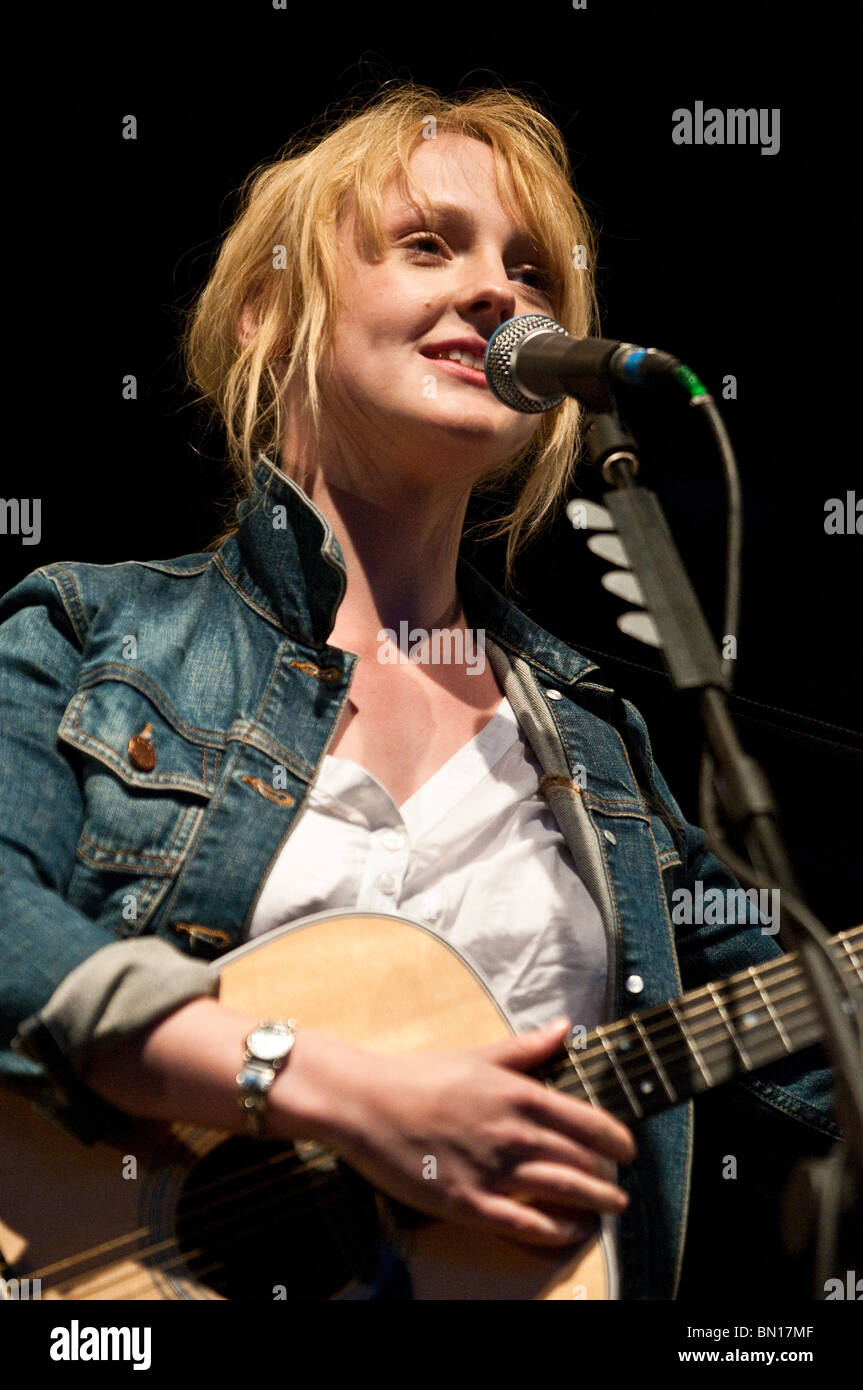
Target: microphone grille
point(498, 362)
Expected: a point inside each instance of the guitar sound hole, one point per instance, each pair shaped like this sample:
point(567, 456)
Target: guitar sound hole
point(252, 1220)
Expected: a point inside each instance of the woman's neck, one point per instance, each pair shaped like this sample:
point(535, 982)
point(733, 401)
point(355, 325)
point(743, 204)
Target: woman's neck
point(400, 543)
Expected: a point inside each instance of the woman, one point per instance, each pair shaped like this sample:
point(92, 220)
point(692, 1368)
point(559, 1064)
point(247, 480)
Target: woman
point(202, 704)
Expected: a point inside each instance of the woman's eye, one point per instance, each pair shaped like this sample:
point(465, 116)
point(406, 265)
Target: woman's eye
point(535, 278)
point(426, 243)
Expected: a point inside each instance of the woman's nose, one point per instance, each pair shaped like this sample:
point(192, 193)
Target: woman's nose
point(487, 291)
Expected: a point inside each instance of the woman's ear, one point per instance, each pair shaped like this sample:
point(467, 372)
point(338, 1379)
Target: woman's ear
point(247, 325)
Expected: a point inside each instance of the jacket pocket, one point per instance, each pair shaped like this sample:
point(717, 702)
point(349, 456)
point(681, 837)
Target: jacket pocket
point(147, 775)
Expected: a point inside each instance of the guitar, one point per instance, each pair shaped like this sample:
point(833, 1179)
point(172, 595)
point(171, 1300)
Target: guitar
point(181, 1212)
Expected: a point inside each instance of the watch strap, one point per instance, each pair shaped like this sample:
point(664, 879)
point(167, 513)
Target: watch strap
point(258, 1074)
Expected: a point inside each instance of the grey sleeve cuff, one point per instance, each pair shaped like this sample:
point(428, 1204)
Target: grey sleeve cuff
point(119, 990)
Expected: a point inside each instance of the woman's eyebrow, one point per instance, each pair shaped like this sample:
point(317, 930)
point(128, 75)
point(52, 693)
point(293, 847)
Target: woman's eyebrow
point(452, 213)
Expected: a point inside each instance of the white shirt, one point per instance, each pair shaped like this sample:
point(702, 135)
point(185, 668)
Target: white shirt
point(475, 854)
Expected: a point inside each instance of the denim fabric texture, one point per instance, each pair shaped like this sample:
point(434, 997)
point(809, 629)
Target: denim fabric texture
point(232, 672)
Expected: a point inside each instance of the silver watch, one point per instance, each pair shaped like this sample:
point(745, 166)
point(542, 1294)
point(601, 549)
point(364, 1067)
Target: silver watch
point(267, 1049)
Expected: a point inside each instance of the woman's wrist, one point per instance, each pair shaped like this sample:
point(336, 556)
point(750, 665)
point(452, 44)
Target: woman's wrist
point(317, 1095)
point(185, 1068)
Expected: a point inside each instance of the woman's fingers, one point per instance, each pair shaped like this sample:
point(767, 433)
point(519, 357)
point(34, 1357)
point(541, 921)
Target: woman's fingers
point(550, 1182)
point(583, 1123)
point(547, 1145)
point(554, 1108)
point(513, 1220)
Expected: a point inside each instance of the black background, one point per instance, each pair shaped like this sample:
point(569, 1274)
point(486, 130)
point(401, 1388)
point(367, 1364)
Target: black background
point(738, 262)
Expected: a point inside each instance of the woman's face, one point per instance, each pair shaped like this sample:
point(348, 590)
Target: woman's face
point(450, 274)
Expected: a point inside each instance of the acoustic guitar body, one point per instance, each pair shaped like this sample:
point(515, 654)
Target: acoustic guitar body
point(180, 1212)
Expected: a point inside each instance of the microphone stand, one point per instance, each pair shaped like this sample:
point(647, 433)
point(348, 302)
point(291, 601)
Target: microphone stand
point(693, 663)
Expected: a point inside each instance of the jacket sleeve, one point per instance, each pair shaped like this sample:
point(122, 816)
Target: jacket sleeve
point(798, 1086)
point(67, 988)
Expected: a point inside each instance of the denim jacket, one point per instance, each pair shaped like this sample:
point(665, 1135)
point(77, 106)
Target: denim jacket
point(121, 882)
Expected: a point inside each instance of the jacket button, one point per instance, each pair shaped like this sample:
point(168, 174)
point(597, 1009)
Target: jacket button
point(142, 754)
point(554, 695)
point(634, 984)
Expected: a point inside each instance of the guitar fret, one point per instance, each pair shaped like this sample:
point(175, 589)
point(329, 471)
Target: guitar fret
point(754, 1004)
point(657, 1065)
point(851, 956)
point(702, 1066)
point(621, 1076)
point(732, 1033)
point(775, 1019)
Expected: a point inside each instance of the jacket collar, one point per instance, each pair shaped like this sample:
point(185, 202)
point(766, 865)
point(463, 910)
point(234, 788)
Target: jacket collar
point(286, 563)
point(284, 558)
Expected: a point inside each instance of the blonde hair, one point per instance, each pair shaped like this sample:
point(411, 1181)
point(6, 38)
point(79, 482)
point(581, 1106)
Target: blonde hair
point(296, 203)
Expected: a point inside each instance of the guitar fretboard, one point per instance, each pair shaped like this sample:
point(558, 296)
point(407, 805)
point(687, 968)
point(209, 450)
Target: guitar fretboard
point(649, 1061)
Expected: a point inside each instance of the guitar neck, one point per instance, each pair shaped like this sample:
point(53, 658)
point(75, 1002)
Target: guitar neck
point(649, 1061)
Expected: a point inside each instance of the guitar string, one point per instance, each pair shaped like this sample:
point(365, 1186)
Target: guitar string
point(670, 1030)
point(176, 1259)
point(180, 1262)
point(562, 1069)
point(599, 1054)
point(292, 1162)
point(324, 1164)
point(186, 1260)
point(321, 1166)
point(293, 1167)
point(566, 1070)
point(736, 1006)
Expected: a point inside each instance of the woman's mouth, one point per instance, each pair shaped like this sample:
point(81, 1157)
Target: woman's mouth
point(462, 364)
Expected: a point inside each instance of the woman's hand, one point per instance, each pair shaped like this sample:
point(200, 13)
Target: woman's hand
point(512, 1156)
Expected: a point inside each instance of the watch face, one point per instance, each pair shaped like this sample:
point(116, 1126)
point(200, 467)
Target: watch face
point(268, 1044)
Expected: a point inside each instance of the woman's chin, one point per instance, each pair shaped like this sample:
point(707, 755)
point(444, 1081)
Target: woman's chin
point(483, 422)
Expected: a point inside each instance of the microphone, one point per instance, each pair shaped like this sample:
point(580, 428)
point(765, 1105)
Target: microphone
point(532, 364)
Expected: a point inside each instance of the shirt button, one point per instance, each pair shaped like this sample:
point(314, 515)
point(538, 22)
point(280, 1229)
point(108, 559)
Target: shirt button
point(554, 695)
point(393, 840)
point(634, 984)
point(386, 883)
point(142, 754)
point(431, 911)
point(610, 837)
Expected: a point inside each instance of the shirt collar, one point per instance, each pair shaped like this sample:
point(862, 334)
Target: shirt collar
point(285, 561)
